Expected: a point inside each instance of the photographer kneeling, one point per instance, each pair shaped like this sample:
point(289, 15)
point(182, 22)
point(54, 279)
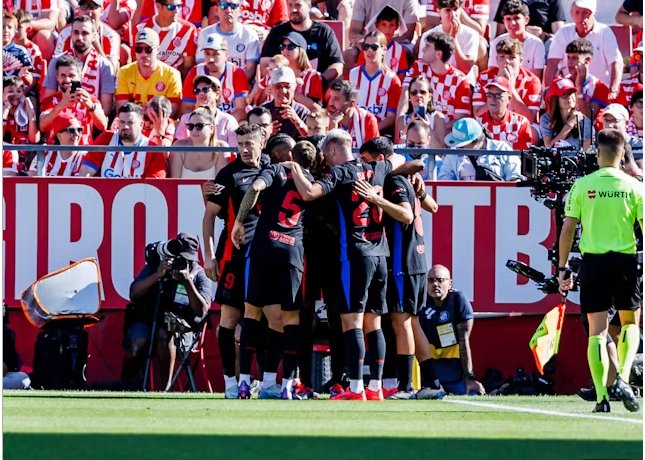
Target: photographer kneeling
point(173, 273)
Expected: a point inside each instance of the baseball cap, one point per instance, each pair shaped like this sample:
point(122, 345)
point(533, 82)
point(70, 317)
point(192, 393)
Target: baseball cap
point(283, 75)
point(65, 120)
point(148, 37)
point(500, 82)
point(562, 86)
point(215, 42)
point(190, 246)
point(617, 111)
point(464, 132)
point(586, 4)
point(95, 3)
point(296, 39)
point(208, 79)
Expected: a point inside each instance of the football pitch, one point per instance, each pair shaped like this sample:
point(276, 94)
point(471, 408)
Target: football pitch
point(104, 425)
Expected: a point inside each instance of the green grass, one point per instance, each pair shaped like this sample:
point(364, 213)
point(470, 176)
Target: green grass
point(103, 425)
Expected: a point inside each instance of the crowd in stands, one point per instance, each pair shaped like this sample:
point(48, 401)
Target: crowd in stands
point(188, 73)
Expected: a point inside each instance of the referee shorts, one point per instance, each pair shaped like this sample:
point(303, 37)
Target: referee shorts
point(607, 280)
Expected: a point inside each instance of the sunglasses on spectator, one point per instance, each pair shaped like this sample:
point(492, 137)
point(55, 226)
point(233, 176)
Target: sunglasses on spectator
point(72, 130)
point(197, 126)
point(287, 46)
point(367, 46)
point(143, 49)
point(172, 7)
point(224, 5)
point(438, 280)
point(497, 96)
point(203, 90)
point(414, 92)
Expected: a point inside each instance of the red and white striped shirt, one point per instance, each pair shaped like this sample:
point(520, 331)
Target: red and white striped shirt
point(363, 126)
point(634, 130)
point(78, 110)
point(9, 162)
point(40, 64)
point(125, 6)
point(514, 128)
point(527, 85)
point(38, 8)
point(395, 58)
point(177, 40)
point(627, 88)
point(450, 91)
point(191, 11)
point(130, 165)
point(593, 90)
point(110, 41)
point(311, 85)
point(378, 93)
point(264, 13)
point(235, 84)
point(476, 9)
point(56, 165)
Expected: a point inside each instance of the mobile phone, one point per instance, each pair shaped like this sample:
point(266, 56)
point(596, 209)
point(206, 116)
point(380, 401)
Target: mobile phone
point(420, 110)
point(76, 85)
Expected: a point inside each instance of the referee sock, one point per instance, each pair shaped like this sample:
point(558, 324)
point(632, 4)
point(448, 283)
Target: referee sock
point(598, 365)
point(275, 344)
point(404, 366)
point(248, 343)
point(627, 347)
point(428, 377)
point(376, 343)
point(226, 342)
point(354, 354)
point(291, 348)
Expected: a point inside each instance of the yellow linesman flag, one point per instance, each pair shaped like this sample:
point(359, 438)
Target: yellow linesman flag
point(546, 340)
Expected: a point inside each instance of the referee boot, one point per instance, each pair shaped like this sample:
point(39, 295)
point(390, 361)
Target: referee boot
point(623, 391)
point(602, 406)
point(430, 393)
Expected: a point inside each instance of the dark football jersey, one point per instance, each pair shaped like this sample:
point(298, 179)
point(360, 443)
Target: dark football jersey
point(360, 223)
point(279, 229)
point(407, 248)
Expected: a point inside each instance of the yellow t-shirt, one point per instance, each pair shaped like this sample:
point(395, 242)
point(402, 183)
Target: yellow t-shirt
point(133, 87)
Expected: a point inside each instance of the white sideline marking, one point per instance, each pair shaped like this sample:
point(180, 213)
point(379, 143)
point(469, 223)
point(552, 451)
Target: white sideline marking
point(544, 412)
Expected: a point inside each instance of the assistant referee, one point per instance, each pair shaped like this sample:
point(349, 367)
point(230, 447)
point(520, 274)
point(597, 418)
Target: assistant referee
point(607, 203)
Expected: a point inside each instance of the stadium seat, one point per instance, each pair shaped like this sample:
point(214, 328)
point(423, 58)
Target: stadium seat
point(339, 30)
point(624, 38)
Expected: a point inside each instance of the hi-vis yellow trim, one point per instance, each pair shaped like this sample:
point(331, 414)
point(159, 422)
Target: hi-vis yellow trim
point(445, 353)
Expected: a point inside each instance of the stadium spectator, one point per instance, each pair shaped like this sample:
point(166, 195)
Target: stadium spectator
point(235, 85)
point(516, 17)
point(202, 128)
point(208, 92)
point(443, 332)
point(132, 164)
point(261, 91)
point(450, 88)
point(71, 97)
point(546, 17)
point(607, 62)
point(379, 88)
point(472, 13)
point(309, 88)
point(45, 14)
point(525, 87)
point(118, 15)
point(157, 124)
point(318, 123)
point(323, 51)
point(264, 15)
point(108, 38)
point(467, 134)
point(39, 65)
point(177, 36)
point(418, 136)
point(391, 24)
point(630, 13)
point(563, 125)
point(67, 130)
point(148, 77)
point(635, 123)
point(15, 58)
point(420, 107)
point(10, 163)
point(500, 121)
point(19, 125)
point(634, 81)
point(344, 113)
point(191, 11)
point(466, 39)
point(243, 41)
point(226, 264)
point(615, 116)
point(290, 115)
point(97, 74)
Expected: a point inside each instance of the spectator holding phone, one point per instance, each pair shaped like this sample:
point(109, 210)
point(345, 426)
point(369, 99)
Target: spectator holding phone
point(420, 108)
point(292, 115)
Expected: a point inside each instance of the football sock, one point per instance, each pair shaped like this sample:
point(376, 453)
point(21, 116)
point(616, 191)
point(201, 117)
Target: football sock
point(226, 342)
point(598, 365)
point(248, 343)
point(376, 343)
point(291, 346)
point(428, 377)
point(627, 347)
point(274, 345)
point(354, 353)
point(404, 367)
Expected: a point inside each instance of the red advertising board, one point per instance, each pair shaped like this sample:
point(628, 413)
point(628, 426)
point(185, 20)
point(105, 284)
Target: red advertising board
point(49, 222)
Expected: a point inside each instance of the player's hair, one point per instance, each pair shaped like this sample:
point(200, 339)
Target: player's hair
point(67, 60)
point(258, 111)
point(515, 7)
point(23, 16)
point(304, 153)
point(249, 128)
point(637, 96)
point(448, 4)
point(510, 46)
point(131, 107)
point(388, 14)
point(378, 145)
point(580, 46)
point(422, 79)
point(161, 102)
point(279, 140)
point(338, 137)
point(207, 113)
point(13, 80)
point(8, 17)
point(610, 142)
point(347, 88)
point(442, 42)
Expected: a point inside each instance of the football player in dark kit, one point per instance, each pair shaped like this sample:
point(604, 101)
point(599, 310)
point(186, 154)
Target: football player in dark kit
point(363, 252)
point(274, 272)
point(226, 265)
point(407, 267)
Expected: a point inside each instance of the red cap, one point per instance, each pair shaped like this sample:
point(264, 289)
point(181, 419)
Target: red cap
point(500, 82)
point(63, 121)
point(562, 86)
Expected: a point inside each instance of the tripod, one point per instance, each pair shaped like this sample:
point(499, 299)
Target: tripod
point(152, 340)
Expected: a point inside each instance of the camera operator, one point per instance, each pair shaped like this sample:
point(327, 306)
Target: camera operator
point(185, 293)
point(606, 203)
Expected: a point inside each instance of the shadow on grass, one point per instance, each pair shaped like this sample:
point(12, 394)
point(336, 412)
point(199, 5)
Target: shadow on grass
point(36, 446)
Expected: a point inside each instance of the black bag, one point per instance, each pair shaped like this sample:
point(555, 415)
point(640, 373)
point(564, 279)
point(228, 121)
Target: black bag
point(482, 173)
point(60, 357)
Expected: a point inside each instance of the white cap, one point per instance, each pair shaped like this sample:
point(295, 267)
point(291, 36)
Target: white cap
point(590, 5)
point(283, 75)
point(617, 111)
point(215, 42)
